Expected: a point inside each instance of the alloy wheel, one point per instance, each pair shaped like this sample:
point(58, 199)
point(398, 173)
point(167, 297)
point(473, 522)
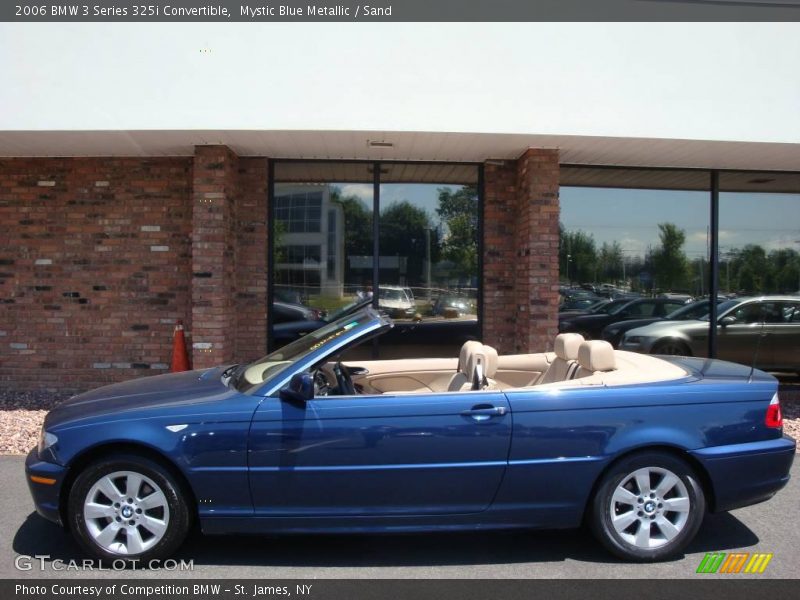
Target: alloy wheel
point(650, 507)
point(126, 513)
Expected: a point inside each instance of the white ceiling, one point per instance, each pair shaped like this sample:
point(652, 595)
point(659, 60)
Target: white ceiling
point(413, 146)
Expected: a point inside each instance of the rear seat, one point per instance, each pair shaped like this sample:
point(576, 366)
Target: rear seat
point(565, 363)
point(595, 356)
point(481, 367)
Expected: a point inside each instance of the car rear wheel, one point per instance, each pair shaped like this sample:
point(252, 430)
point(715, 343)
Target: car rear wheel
point(127, 507)
point(648, 507)
point(671, 347)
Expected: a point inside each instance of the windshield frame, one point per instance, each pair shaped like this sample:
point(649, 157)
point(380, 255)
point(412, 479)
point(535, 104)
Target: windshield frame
point(319, 351)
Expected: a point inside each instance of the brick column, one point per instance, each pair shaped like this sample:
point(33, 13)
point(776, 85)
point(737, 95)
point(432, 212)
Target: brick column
point(252, 239)
point(215, 174)
point(520, 262)
point(536, 277)
point(499, 215)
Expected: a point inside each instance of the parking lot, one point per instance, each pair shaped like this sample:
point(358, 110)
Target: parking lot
point(772, 527)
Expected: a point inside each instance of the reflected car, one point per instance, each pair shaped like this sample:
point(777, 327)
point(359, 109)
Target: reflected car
point(695, 310)
point(763, 331)
point(638, 447)
point(591, 326)
point(396, 301)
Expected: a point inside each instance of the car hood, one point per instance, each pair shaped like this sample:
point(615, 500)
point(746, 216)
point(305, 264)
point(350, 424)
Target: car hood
point(194, 391)
point(670, 327)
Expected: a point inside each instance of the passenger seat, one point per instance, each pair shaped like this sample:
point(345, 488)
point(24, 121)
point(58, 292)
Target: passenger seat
point(565, 363)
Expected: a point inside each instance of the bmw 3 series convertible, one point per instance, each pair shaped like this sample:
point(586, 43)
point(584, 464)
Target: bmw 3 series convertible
point(637, 447)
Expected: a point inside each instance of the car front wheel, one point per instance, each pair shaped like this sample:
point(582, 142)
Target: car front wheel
point(648, 507)
point(128, 507)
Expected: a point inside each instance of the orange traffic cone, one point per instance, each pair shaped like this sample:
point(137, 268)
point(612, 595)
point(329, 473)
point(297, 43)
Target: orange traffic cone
point(180, 357)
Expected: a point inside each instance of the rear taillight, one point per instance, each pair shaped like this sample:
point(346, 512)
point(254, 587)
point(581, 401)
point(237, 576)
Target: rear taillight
point(774, 416)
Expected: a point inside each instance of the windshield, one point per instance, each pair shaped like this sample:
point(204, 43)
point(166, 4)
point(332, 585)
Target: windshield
point(348, 309)
point(392, 294)
point(695, 310)
point(722, 308)
point(618, 307)
point(259, 371)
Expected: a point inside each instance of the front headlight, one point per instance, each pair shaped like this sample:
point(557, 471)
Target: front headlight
point(46, 440)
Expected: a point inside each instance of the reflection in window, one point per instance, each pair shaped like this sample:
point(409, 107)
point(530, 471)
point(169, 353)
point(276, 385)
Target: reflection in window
point(620, 239)
point(324, 256)
point(759, 244)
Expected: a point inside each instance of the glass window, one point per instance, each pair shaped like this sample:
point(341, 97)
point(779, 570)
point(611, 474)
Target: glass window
point(759, 247)
point(635, 233)
point(429, 258)
point(324, 256)
point(322, 244)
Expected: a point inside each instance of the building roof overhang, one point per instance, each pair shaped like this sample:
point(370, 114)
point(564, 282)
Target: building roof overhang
point(410, 146)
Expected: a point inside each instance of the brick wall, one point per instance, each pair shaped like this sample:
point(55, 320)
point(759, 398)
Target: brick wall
point(94, 268)
point(521, 213)
point(99, 257)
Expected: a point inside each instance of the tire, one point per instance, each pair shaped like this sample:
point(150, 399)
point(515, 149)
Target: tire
point(667, 532)
point(135, 526)
point(671, 347)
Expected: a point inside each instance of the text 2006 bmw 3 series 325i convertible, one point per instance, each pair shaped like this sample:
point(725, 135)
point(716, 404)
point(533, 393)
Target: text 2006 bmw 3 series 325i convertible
point(638, 447)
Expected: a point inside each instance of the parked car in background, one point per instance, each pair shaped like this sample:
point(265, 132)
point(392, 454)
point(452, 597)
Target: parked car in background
point(396, 301)
point(602, 305)
point(590, 326)
point(764, 331)
point(695, 310)
point(286, 312)
point(452, 306)
point(639, 448)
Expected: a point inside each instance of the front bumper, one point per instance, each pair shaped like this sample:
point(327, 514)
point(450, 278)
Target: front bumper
point(745, 474)
point(45, 495)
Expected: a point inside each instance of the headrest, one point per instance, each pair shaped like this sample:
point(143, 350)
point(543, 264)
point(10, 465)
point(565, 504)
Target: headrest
point(567, 344)
point(463, 356)
point(596, 355)
point(483, 356)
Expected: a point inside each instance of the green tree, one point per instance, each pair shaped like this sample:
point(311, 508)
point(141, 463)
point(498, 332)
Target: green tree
point(669, 260)
point(577, 256)
point(611, 260)
point(402, 229)
point(357, 228)
point(458, 210)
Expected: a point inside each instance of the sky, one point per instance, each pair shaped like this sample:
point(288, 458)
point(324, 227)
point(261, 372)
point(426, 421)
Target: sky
point(734, 81)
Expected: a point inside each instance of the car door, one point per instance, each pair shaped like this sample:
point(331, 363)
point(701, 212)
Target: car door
point(784, 336)
point(387, 454)
point(739, 335)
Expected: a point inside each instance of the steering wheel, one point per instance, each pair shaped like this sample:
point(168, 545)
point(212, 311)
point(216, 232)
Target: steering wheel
point(343, 380)
point(321, 385)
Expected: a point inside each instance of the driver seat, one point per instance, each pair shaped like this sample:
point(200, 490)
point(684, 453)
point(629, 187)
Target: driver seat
point(462, 375)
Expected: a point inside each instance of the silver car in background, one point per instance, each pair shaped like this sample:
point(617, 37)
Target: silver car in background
point(740, 325)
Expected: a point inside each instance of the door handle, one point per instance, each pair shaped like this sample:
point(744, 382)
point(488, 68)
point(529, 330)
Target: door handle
point(484, 412)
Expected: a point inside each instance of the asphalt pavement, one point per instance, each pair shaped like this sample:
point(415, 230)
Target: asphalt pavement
point(773, 527)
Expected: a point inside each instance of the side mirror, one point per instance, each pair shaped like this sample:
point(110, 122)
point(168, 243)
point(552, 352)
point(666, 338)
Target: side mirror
point(300, 389)
point(725, 321)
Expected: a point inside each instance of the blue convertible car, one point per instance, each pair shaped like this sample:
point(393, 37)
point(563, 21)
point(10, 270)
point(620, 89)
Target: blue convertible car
point(638, 447)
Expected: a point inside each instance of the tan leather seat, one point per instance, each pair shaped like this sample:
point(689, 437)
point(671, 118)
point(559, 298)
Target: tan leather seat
point(595, 356)
point(462, 375)
point(565, 363)
point(481, 368)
